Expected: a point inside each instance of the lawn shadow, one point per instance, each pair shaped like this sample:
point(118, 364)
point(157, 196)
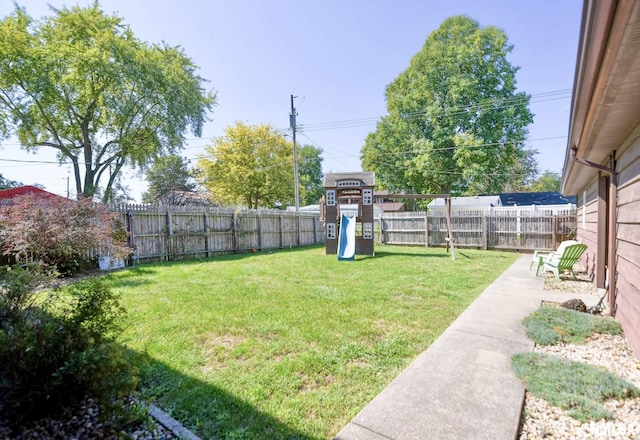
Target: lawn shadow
point(129, 277)
point(206, 410)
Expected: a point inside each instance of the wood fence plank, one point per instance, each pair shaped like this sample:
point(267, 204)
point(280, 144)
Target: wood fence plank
point(160, 233)
point(516, 229)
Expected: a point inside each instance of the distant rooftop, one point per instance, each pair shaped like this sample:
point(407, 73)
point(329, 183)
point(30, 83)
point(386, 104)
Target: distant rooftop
point(536, 198)
point(6, 195)
point(467, 202)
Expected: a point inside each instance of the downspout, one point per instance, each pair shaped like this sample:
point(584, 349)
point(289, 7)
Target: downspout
point(612, 219)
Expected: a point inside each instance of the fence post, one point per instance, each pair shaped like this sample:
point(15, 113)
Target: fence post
point(281, 217)
point(131, 238)
point(485, 232)
point(426, 230)
point(518, 228)
point(234, 230)
point(298, 231)
point(260, 228)
point(554, 226)
point(169, 247)
point(207, 245)
point(315, 230)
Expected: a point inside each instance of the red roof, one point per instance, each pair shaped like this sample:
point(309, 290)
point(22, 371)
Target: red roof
point(11, 193)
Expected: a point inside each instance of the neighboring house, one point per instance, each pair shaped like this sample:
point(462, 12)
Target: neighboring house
point(308, 209)
point(385, 204)
point(548, 198)
point(466, 203)
point(539, 201)
point(536, 201)
point(7, 195)
point(602, 163)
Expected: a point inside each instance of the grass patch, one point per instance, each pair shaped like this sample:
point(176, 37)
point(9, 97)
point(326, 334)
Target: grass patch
point(549, 326)
point(291, 343)
point(575, 387)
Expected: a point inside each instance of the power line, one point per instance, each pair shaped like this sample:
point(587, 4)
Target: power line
point(450, 111)
point(358, 122)
point(414, 150)
point(537, 43)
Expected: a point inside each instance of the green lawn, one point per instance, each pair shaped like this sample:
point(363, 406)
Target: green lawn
point(290, 344)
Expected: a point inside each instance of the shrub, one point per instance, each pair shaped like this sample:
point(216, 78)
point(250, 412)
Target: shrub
point(574, 386)
point(58, 232)
point(59, 347)
point(548, 326)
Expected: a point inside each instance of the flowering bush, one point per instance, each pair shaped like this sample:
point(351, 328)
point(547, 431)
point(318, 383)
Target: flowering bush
point(59, 233)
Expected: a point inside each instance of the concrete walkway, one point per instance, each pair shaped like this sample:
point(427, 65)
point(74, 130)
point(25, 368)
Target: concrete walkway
point(462, 386)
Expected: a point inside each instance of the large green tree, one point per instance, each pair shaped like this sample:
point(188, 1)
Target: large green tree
point(456, 123)
point(310, 174)
point(81, 83)
point(520, 176)
point(249, 165)
point(166, 174)
point(547, 181)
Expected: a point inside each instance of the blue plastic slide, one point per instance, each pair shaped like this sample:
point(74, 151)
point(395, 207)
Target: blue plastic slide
point(347, 238)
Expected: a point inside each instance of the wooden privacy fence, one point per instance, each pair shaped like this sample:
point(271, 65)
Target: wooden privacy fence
point(173, 232)
point(499, 229)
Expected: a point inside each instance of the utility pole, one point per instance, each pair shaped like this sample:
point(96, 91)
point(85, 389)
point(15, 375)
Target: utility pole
point(292, 124)
point(68, 172)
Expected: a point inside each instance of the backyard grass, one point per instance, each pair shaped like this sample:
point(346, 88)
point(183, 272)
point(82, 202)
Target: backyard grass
point(291, 343)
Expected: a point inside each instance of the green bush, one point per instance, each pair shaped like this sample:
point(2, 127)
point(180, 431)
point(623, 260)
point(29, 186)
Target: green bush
point(548, 326)
point(574, 386)
point(58, 347)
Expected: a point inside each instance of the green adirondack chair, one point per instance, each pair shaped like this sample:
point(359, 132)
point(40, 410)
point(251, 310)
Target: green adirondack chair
point(557, 263)
point(540, 256)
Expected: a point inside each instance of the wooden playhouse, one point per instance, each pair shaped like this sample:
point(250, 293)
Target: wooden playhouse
point(350, 194)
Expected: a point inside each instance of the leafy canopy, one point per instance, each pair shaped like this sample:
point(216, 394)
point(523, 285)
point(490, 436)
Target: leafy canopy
point(456, 122)
point(310, 174)
point(81, 83)
point(548, 181)
point(249, 165)
point(167, 173)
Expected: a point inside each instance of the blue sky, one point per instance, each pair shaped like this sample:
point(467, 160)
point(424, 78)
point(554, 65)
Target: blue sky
point(336, 57)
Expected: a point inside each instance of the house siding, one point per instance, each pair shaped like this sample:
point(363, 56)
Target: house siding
point(628, 242)
point(588, 233)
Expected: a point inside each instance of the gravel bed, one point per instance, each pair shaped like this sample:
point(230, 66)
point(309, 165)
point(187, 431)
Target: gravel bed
point(83, 423)
point(543, 421)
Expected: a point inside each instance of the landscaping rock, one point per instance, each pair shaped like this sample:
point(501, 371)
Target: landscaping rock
point(543, 421)
point(83, 423)
point(575, 304)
